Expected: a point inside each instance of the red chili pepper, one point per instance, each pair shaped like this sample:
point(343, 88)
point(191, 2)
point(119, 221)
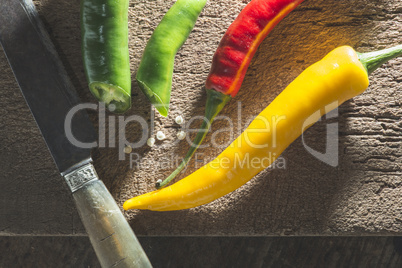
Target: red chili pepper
point(241, 40)
point(231, 61)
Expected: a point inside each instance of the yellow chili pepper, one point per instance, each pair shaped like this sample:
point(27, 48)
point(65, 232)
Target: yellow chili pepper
point(322, 87)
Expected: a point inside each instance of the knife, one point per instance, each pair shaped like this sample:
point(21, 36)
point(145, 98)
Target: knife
point(50, 96)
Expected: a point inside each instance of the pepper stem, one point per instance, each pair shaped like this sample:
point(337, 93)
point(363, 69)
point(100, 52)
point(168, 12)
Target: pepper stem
point(372, 60)
point(215, 103)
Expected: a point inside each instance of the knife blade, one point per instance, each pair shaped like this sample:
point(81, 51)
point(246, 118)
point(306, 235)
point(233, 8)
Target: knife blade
point(50, 96)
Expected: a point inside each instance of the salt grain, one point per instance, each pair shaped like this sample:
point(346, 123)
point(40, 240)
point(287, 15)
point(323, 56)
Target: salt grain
point(128, 149)
point(160, 135)
point(179, 120)
point(181, 135)
point(151, 142)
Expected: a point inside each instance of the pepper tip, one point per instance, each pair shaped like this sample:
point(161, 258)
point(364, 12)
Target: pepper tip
point(162, 109)
point(161, 106)
point(126, 205)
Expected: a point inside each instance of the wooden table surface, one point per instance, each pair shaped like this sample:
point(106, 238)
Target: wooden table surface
point(362, 195)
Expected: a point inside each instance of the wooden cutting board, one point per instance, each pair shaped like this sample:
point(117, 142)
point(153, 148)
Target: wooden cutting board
point(362, 195)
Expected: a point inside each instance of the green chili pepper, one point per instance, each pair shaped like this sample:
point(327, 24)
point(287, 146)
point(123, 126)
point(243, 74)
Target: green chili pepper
point(104, 28)
point(154, 75)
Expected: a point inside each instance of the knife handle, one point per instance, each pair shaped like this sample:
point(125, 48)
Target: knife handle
point(112, 238)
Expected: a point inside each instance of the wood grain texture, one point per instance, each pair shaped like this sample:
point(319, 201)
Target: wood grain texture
point(210, 252)
point(362, 195)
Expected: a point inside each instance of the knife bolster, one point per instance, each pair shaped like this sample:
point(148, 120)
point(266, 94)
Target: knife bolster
point(81, 176)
